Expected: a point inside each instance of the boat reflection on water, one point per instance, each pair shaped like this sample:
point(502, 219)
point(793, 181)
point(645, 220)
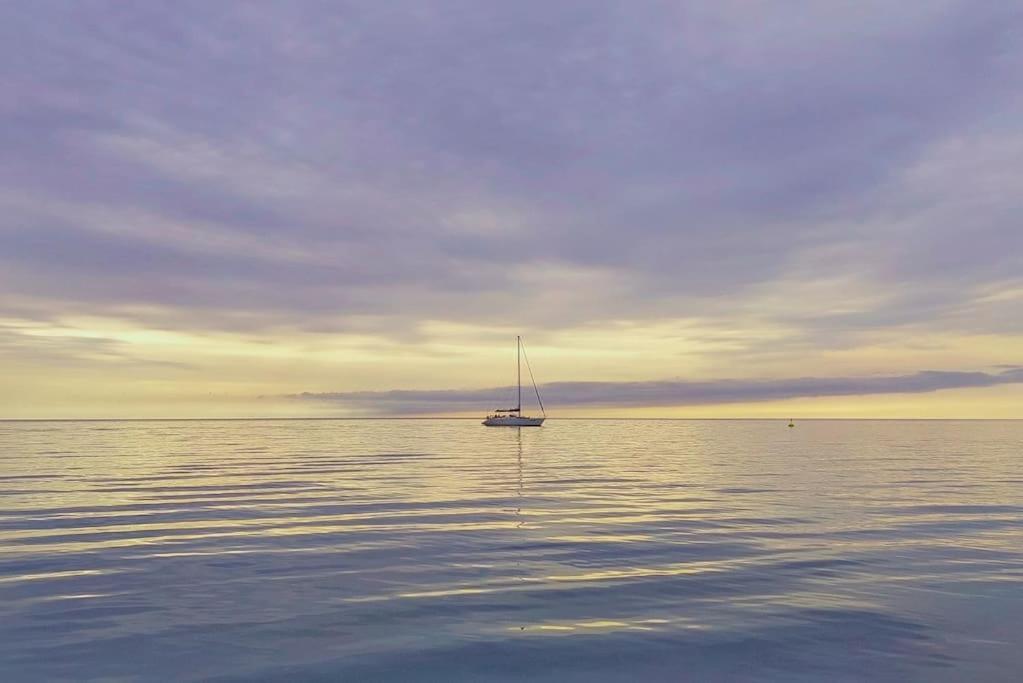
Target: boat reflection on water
point(521, 521)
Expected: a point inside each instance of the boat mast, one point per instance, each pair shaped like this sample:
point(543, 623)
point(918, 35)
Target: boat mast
point(518, 370)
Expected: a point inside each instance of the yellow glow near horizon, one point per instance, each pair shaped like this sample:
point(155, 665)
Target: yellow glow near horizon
point(997, 402)
point(100, 367)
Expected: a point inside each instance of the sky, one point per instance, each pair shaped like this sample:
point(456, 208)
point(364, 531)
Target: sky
point(687, 209)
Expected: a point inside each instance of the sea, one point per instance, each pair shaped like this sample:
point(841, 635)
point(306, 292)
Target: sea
point(442, 550)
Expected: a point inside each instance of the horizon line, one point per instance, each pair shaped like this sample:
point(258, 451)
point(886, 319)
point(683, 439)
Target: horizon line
point(629, 419)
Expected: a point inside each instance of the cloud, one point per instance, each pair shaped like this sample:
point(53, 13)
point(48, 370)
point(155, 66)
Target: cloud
point(663, 393)
point(65, 349)
point(846, 173)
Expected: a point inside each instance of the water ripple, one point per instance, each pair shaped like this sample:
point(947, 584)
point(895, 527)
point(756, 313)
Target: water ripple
point(441, 550)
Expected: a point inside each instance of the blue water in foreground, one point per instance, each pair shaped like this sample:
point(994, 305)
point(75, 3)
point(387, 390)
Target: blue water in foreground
point(440, 550)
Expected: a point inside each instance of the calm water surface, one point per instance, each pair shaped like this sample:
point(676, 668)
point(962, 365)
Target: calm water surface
point(443, 550)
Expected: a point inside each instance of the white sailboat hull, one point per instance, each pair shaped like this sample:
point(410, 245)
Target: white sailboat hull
point(513, 421)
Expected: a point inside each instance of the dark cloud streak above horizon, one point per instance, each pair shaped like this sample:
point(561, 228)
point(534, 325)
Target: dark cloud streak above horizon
point(667, 393)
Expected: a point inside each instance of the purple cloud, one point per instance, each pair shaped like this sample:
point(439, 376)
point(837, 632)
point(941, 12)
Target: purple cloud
point(299, 163)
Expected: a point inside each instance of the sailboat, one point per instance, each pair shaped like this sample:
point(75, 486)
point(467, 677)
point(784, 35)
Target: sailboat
point(513, 417)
